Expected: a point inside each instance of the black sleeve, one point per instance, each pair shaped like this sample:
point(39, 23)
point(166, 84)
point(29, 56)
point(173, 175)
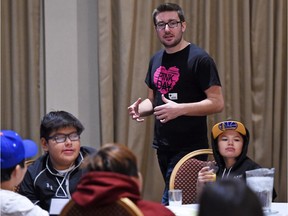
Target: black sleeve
point(208, 73)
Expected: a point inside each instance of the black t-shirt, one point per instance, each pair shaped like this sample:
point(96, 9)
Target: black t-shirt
point(182, 77)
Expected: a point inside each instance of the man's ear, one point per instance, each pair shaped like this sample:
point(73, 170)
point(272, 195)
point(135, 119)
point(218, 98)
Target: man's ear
point(183, 25)
point(15, 172)
point(44, 144)
point(18, 174)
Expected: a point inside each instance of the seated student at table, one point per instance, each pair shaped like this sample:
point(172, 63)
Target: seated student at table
point(14, 152)
point(53, 177)
point(113, 174)
point(230, 140)
point(229, 197)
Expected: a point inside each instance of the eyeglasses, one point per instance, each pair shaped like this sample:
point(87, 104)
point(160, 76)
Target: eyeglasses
point(171, 24)
point(60, 138)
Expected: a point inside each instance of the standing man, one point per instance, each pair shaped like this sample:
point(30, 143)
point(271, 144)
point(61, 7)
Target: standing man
point(183, 88)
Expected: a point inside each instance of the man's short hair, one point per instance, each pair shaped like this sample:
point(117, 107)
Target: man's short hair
point(168, 7)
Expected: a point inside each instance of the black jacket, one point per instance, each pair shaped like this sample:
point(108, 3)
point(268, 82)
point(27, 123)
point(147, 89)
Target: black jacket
point(42, 183)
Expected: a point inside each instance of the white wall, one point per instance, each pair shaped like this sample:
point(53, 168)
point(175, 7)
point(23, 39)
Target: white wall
point(70, 68)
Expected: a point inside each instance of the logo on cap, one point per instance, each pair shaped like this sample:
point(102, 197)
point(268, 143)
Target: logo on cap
point(228, 125)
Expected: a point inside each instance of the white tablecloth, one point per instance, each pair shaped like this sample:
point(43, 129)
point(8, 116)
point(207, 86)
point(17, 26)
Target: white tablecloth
point(282, 208)
point(192, 209)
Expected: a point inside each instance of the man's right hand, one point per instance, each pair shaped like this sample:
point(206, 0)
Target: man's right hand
point(133, 111)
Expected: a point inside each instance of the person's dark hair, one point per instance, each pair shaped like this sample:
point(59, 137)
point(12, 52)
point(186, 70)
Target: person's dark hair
point(113, 157)
point(229, 197)
point(168, 7)
point(58, 119)
point(6, 173)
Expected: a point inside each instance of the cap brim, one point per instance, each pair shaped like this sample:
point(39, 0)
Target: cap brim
point(31, 148)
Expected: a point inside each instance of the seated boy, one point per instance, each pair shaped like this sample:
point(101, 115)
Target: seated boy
point(14, 151)
point(52, 178)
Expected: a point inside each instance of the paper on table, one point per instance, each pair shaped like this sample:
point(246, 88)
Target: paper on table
point(57, 205)
point(183, 211)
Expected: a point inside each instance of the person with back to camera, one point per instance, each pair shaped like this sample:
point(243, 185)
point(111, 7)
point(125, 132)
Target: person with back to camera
point(183, 88)
point(51, 179)
point(14, 152)
point(229, 197)
point(230, 140)
point(113, 174)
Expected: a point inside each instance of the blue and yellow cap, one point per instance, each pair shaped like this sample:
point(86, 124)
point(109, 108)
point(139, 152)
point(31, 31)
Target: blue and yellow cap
point(220, 127)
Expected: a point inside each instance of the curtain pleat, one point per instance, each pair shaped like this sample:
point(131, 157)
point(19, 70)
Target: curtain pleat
point(20, 24)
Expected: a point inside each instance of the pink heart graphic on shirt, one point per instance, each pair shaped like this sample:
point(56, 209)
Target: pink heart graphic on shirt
point(165, 80)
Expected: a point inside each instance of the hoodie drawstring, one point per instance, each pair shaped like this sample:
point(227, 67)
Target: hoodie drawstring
point(227, 173)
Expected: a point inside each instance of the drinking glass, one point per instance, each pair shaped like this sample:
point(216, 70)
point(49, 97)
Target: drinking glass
point(175, 197)
point(261, 182)
point(213, 167)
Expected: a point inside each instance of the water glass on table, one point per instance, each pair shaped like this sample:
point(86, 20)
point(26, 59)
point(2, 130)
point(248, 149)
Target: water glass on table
point(175, 197)
point(261, 182)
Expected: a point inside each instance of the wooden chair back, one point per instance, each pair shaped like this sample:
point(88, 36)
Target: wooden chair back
point(122, 207)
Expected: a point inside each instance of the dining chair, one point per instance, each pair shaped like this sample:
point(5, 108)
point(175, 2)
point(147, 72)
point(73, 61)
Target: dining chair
point(122, 207)
point(185, 173)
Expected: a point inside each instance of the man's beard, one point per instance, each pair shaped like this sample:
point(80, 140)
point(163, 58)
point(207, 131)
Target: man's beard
point(175, 43)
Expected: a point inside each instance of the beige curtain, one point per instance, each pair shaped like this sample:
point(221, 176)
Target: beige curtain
point(20, 39)
point(247, 39)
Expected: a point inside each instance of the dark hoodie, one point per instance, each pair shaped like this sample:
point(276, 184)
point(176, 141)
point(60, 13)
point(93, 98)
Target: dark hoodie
point(42, 182)
point(101, 188)
point(243, 163)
